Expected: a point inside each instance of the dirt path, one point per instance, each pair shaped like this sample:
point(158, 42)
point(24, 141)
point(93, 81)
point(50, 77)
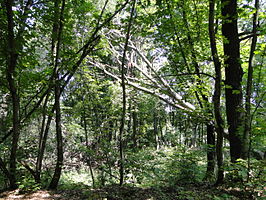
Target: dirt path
point(38, 195)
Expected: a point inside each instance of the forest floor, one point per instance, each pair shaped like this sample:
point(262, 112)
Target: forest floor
point(114, 192)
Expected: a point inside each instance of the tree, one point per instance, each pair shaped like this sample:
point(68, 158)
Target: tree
point(247, 121)
point(56, 45)
point(14, 48)
point(239, 125)
point(217, 94)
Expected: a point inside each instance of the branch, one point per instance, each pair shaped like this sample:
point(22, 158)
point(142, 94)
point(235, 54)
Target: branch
point(249, 36)
point(142, 82)
point(245, 33)
point(191, 74)
point(4, 169)
point(6, 135)
point(24, 164)
point(152, 79)
point(180, 104)
point(172, 93)
point(117, 55)
point(185, 106)
point(92, 41)
point(98, 28)
point(257, 106)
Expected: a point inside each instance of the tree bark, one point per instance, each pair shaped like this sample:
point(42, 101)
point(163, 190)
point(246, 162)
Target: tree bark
point(122, 126)
point(57, 30)
point(12, 57)
point(155, 129)
point(217, 94)
point(42, 140)
point(5, 170)
point(59, 139)
point(87, 142)
point(210, 151)
point(247, 130)
point(233, 77)
point(135, 125)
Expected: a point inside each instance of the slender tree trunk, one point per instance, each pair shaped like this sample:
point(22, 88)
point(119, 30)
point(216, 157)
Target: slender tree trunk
point(45, 127)
point(210, 151)
point(247, 130)
point(16, 131)
point(59, 139)
point(129, 121)
point(87, 142)
point(5, 171)
point(233, 77)
point(135, 125)
point(155, 130)
point(58, 28)
point(203, 103)
point(122, 127)
point(42, 140)
point(89, 157)
point(217, 94)
point(121, 133)
point(12, 56)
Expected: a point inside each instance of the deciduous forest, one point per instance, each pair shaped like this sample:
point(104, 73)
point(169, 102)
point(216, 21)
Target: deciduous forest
point(132, 99)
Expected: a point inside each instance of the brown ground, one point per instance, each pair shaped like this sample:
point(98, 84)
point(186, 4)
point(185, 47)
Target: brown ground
point(114, 192)
point(38, 195)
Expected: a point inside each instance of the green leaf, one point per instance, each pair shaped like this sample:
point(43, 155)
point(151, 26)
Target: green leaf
point(236, 92)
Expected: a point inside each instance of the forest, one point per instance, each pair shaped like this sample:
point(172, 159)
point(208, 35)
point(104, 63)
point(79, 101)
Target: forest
point(132, 99)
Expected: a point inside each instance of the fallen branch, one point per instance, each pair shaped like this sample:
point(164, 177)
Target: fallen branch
point(180, 104)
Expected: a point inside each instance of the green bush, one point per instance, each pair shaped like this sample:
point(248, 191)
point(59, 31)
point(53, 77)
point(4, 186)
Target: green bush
point(28, 184)
point(3, 182)
point(169, 166)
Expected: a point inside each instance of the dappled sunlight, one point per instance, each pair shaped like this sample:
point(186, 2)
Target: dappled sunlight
point(37, 195)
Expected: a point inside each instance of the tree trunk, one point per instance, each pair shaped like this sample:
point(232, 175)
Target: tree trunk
point(247, 130)
point(135, 125)
point(121, 132)
point(203, 103)
point(59, 139)
point(122, 127)
point(233, 77)
point(5, 170)
point(87, 142)
point(42, 140)
point(16, 131)
point(155, 130)
point(10, 73)
point(210, 151)
point(56, 42)
point(217, 95)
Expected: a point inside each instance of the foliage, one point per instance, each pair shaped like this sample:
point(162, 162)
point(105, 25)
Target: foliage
point(167, 166)
point(75, 179)
point(247, 175)
point(27, 184)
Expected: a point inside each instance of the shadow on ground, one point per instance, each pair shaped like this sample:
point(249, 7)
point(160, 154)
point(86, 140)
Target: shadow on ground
point(115, 192)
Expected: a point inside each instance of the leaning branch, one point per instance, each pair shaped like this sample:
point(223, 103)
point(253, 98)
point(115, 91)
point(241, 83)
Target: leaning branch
point(158, 92)
point(170, 90)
